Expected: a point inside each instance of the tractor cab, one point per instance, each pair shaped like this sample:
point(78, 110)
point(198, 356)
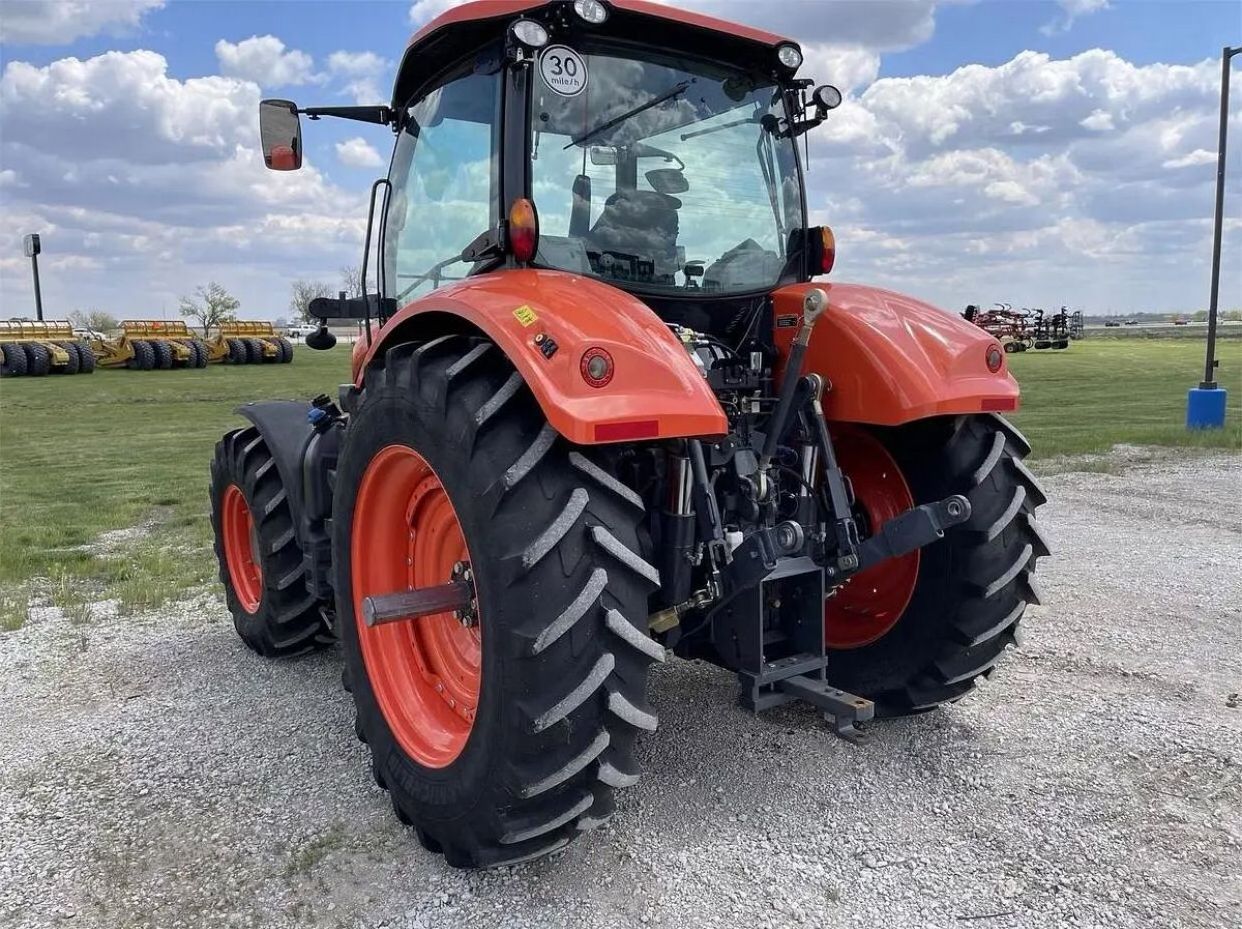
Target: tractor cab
point(563, 136)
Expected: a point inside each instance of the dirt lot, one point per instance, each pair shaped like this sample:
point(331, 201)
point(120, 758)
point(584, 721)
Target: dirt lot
point(155, 773)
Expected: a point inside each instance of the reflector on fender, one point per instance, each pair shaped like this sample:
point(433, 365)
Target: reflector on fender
point(998, 404)
point(631, 429)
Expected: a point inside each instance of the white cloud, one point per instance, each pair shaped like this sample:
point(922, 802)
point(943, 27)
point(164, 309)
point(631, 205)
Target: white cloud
point(59, 22)
point(362, 64)
point(1072, 10)
point(1200, 156)
point(848, 68)
point(264, 60)
point(362, 72)
point(358, 153)
point(1037, 174)
point(169, 189)
point(1098, 121)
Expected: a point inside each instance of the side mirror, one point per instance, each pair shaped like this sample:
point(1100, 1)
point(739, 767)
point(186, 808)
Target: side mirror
point(280, 132)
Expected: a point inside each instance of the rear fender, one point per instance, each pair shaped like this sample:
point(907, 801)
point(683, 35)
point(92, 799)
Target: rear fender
point(656, 391)
point(892, 359)
point(286, 430)
point(305, 460)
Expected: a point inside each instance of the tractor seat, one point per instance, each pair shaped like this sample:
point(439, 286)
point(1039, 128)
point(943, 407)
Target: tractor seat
point(642, 223)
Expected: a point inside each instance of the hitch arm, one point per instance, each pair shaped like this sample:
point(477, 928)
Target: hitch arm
point(909, 531)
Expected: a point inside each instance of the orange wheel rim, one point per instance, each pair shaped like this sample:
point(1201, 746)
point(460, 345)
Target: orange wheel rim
point(425, 672)
point(241, 549)
point(872, 601)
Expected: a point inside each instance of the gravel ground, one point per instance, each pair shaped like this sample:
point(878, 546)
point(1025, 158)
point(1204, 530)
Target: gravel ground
point(155, 773)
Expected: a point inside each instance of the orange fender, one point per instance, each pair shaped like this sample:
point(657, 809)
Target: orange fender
point(892, 359)
point(656, 392)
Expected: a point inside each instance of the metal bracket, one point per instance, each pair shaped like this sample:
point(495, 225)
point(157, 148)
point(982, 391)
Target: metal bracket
point(842, 709)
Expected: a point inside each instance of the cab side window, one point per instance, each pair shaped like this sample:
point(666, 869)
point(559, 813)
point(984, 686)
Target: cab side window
point(445, 184)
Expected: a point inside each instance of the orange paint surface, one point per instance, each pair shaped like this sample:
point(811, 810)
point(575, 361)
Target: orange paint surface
point(654, 379)
point(892, 359)
point(489, 9)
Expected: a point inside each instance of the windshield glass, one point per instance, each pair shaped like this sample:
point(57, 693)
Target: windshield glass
point(669, 174)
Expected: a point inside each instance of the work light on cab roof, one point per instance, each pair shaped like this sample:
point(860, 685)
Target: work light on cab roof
point(605, 406)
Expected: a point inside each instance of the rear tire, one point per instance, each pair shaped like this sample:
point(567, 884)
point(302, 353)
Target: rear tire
point(201, 353)
point(263, 582)
point(144, 356)
point(973, 586)
point(38, 361)
point(254, 351)
point(163, 354)
point(13, 362)
point(86, 356)
point(286, 350)
point(237, 352)
point(563, 650)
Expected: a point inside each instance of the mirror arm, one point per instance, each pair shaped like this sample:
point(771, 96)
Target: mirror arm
point(380, 115)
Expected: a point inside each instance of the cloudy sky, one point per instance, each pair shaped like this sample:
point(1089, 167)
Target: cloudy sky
point(1040, 153)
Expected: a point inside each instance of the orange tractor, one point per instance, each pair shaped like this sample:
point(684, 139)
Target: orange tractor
point(603, 414)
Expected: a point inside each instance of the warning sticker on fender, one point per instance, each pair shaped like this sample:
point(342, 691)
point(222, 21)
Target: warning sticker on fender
point(525, 315)
point(563, 70)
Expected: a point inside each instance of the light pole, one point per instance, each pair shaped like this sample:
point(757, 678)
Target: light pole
point(1205, 405)
point(32, 249)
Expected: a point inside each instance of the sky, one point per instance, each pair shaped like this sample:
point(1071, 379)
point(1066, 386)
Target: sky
point(1036, 153)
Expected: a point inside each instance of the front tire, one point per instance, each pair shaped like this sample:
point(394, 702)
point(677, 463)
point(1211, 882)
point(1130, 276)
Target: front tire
point(260, 560)
point(547, 705)
point(971, 588)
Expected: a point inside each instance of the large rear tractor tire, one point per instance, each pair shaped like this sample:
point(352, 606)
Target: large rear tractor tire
point(921, 630)
point(38, 359)
point(260, 560)
point(13, 361)
point(500, 736)
point(144, 356)
point(86, 355)
point(201, 353)
point(254, 351)
point(163, 354)
point(286, 350)
point(237, 352)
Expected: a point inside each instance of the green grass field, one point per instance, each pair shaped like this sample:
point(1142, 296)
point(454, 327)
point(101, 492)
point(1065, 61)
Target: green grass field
point(83, 456)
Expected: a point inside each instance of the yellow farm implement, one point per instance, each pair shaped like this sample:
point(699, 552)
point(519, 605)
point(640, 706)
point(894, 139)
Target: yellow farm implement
point(147, 344)
point(39, 348)
point(247, 342)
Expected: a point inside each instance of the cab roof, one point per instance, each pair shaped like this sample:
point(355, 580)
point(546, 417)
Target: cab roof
point(465, 28)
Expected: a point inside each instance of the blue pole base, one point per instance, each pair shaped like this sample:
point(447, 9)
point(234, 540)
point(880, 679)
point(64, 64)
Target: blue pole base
point(1205, 408)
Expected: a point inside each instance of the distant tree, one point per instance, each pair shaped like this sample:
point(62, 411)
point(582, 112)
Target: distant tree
point(210, 305)
point(351, 281)
point(302, 292)
point(1200, 316)
point(1234, 316)
point(95, 320)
